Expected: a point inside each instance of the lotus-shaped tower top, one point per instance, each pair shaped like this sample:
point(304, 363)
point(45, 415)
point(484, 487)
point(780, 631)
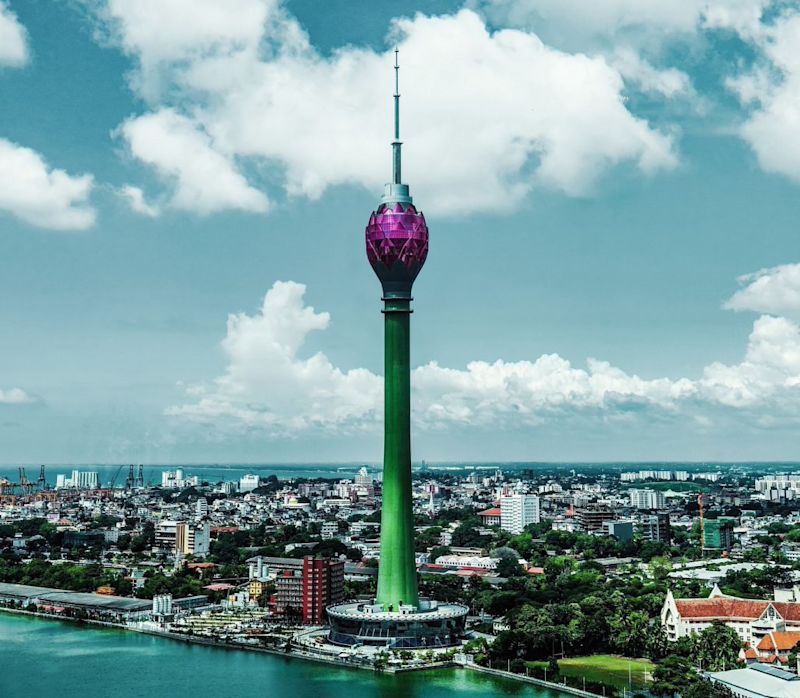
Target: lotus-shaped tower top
point(397, 234)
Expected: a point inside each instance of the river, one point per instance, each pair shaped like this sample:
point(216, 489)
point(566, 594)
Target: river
point(53, 659)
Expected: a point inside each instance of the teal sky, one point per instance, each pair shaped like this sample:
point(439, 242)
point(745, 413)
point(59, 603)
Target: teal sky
point(595, 188)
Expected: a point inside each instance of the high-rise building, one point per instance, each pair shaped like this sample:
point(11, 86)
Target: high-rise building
point(247, 483)
point(656, 527)
point(518, 511)
point(591, 519)
point(718, 533)
point(647, 499)
point(323, 586)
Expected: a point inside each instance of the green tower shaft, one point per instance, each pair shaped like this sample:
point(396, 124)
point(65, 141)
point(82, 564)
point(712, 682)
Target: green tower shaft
point(397, 575)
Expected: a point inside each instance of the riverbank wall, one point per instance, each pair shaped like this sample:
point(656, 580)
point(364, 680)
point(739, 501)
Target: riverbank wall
point(562, 688)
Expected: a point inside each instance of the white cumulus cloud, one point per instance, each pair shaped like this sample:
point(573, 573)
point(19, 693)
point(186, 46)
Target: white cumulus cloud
point(772, 87)
point(137, 201)
point(269, 385)
point(14, 396)
point(13, 39)
point(775, 291)
point(487, 115)
point(205, 180)
point(40, 195)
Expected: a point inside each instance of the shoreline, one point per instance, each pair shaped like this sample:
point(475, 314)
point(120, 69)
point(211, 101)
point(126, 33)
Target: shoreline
point(307, 656)
point(293, 653)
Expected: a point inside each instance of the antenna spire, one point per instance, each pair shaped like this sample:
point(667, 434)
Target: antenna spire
point(396, 144)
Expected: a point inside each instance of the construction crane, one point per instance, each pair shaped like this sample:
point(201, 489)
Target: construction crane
point(25, 485)
point(130, 480)
point(116, 475)
point(701, 504)
point(42, 481)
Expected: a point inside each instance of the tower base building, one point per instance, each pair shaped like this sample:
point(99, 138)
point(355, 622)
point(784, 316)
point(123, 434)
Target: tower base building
point(430, 625)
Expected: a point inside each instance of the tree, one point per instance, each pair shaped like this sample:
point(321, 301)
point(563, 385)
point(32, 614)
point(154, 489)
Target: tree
point(672, 676)
point(437, 552)
point(629, 633)
point(717, 648)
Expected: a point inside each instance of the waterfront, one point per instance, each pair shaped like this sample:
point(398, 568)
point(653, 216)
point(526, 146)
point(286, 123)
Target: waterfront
point(43, 658)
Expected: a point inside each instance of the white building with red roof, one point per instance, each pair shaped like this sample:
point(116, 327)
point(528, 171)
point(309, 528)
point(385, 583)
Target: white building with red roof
point(752, 619)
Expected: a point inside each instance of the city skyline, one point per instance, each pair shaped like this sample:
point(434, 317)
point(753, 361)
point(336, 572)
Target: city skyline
point(615, 257)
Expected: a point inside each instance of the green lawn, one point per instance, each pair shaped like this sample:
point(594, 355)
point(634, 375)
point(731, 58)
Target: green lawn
point(605, 668)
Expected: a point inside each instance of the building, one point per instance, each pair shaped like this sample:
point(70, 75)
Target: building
point(591, 520)
point(79, 480)
point(490, 517)
point(718, 533)
point(397, 247)
point(249, 482)
point(475, 562)
point(656, 527)
point(304, 594)
point(105, 607)
point(752, 619)
point(647, 499)
point(193, 539)
point(176, 480)
point(518, 511)
point(622, 530)
point(758, 681)
point(330, 529)
point(323, 586)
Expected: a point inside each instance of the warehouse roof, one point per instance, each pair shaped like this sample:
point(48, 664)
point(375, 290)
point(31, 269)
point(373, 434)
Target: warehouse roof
point(73, 598)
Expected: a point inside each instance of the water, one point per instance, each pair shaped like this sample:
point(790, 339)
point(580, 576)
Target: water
point(42, 659)
point(347, 471)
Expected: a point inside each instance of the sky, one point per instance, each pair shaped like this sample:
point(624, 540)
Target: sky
point(612, 192)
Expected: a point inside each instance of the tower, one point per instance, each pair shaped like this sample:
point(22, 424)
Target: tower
point(397, 246)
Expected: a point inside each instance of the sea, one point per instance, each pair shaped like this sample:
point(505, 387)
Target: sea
point(55, 659)
point(213, 473)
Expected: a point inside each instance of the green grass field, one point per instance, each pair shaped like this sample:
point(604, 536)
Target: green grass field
point(605, 668)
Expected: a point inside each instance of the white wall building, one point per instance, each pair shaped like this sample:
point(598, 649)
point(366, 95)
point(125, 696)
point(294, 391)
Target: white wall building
point(247, 483)
point(518, 511)
point(647, 499)
point(79, 480)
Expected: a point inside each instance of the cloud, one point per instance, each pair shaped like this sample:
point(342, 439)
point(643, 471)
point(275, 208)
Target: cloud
point(268, 99)
point(578, 24)
point(204, 179)
point(162, 32)
point(668, 83)
point(775, 291)
point(772, 87)
point(40, 195)
point(135, 198)
point(13, 39)
point(14, 396)
point(771, 368)
point(268, 385)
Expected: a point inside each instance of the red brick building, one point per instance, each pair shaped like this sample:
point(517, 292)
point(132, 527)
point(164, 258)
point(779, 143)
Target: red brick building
point(304, 593)
point(323, 586)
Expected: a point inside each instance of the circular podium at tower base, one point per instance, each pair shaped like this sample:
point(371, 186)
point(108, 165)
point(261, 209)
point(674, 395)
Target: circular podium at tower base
point(429, 626)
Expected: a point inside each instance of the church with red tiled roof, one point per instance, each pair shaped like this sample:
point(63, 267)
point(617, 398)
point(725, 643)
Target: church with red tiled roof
point(754, 620)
